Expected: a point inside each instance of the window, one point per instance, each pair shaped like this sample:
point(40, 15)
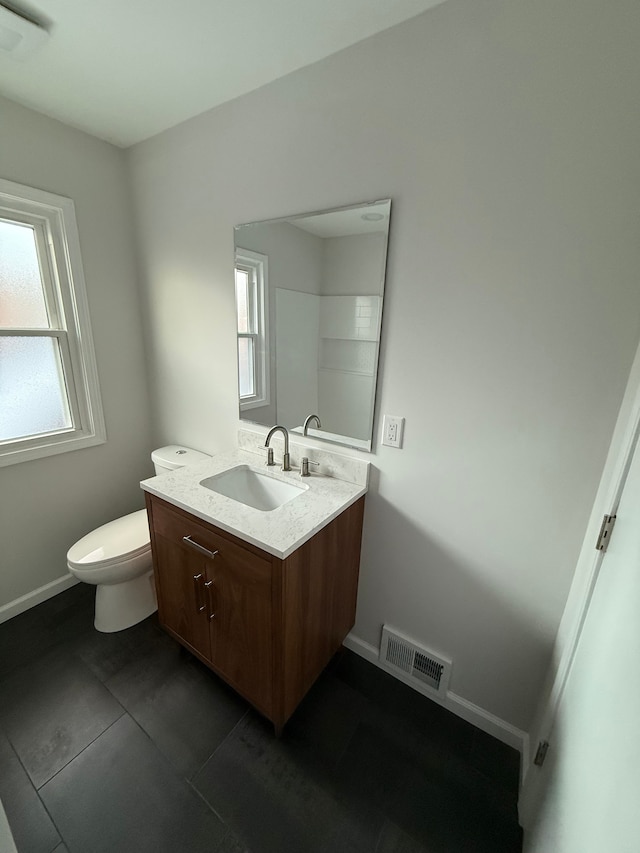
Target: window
point(253, 349)
point(49, 395)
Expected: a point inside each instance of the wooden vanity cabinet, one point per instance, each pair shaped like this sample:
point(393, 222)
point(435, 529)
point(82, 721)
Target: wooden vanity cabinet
point(267, 626)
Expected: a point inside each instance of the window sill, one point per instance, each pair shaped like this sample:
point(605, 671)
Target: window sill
point(14, 453)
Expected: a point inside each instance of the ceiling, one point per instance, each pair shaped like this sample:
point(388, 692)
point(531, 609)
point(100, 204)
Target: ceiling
point(372, 218)
point(124, 70)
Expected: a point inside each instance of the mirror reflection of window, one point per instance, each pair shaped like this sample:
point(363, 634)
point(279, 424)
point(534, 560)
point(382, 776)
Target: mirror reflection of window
point(246, 338)
point(253, 345)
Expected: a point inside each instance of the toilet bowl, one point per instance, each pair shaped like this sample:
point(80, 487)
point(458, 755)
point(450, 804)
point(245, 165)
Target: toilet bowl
point(116, 557)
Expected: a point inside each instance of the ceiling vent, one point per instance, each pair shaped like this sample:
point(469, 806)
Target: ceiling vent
point(414, 664)
point(19, 36)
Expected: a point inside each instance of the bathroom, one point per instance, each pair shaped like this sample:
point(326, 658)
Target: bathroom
point(502, 133)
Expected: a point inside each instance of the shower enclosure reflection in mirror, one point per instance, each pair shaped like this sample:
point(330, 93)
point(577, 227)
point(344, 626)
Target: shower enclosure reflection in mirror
point(309, 293)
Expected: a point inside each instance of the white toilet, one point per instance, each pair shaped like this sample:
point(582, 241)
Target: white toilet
point(117, 557)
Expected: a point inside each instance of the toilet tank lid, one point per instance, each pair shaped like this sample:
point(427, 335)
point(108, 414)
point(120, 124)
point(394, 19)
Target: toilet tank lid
point(177, 456)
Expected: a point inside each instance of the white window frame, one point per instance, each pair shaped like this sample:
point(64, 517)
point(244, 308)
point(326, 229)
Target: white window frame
point(54, 221)
point(258, 265)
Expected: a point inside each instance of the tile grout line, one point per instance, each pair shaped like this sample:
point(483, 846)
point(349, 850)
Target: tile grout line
point(184, 779)
point(223, 741)
point(84, 748)
point(55, 646)
point(208, 805)
point(348, 744)
point(37, 793)
point(201, 796)
point(123, 710)
point(61, 838)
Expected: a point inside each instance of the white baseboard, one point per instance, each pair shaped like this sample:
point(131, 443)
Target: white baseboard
point(25, 602)
point(478, 717)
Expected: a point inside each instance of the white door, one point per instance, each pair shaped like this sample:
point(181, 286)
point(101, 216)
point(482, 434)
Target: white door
point(592, 772)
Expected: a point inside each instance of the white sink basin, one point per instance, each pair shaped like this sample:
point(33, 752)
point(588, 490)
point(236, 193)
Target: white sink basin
point(251, 488)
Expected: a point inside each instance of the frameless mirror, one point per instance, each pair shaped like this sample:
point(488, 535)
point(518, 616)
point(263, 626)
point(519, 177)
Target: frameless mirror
point(309, 291)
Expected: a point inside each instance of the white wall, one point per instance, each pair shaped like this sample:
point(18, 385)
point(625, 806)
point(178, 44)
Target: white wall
point(354, 264)
point(505, 133)
point(47, 504)
point(298, 321)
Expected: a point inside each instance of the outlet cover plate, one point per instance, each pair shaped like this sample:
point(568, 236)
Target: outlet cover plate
point(392, 430)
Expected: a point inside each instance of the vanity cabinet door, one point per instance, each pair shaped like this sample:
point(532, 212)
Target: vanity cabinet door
point(180, 585)
point(180, 560)
point(239, 589)
point(215, 595)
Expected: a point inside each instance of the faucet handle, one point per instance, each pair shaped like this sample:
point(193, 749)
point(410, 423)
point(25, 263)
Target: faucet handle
point(304, 466)
point(270, 460)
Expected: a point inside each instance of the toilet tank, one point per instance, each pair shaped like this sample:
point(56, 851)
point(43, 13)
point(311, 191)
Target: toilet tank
point(175, 456)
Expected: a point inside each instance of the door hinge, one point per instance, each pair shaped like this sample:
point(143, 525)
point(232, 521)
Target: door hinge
point(606, 530)
point(541, 753)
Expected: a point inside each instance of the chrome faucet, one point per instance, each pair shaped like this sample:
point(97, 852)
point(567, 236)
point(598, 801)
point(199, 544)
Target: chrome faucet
point(306, 423)
point(286, 463)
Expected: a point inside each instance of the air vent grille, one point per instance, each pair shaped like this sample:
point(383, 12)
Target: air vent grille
point(416, 663)
point(399, 654)
point(429, 670)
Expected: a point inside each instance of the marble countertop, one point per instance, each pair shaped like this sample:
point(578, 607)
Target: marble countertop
point(280, 531)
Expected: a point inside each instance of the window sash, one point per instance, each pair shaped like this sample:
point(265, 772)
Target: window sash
point(67, 383)
point(251, 380)
point(251, 299)
point(41, 405)
point(45, 248)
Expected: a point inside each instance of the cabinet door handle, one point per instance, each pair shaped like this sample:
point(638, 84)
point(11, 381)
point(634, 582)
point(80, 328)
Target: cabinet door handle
point(209, 588)
point(189, 541)
point(197, 579)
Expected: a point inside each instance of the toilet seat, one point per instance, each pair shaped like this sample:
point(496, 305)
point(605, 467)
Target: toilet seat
point(115, 542)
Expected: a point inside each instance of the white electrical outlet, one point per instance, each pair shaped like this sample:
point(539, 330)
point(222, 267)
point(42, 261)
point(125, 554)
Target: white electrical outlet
point(392, 429)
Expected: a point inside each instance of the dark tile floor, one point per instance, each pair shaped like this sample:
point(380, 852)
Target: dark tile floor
point(111, 743)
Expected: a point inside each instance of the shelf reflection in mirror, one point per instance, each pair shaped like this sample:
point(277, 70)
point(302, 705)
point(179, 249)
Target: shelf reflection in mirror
point(309, 294)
